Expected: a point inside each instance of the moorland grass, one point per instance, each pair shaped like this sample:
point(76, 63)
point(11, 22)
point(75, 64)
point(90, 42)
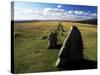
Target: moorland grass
point(31, 53)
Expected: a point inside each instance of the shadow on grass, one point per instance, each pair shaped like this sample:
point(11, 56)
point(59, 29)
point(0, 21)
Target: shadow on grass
point(56, 47)
point(79, 65)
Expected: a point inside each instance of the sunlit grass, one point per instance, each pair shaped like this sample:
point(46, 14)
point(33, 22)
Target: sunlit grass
point(31, 53)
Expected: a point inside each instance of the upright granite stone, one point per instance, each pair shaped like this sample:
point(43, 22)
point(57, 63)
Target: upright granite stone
point(60, 27)
point(72, 48)
point(52, 43)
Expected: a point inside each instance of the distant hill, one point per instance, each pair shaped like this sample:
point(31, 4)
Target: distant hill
point(91, 21)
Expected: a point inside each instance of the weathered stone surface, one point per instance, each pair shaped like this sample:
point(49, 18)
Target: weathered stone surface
point(52, 43)
point(60, 27)
point(72, 49)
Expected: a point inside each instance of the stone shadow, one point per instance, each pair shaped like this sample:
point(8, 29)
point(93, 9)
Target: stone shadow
point(78, 65)
point(58, 46)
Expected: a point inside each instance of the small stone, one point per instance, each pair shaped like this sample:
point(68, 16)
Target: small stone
point(60, 28)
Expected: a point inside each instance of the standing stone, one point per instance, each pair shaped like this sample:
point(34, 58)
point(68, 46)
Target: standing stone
point(72, 48)
point(53, 40)
point(60, 27)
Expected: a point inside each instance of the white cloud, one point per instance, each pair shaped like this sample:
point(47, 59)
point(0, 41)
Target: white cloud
point(52, 14)
point(78, 12)
point(70, 12)
point(53, 10)
point(93, 14)
point(22, 11)
point(59, 6)
point(26, 14)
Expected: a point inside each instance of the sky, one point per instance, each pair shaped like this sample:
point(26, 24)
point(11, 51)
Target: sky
point(51, 11)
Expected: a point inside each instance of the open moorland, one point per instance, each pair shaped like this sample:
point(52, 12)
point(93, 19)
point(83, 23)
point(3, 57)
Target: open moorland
point(31, 53)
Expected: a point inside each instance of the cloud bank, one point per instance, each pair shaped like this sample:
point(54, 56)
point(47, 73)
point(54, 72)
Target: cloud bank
point(52, 14)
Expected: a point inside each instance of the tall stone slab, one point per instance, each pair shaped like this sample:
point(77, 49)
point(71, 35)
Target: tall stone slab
point(72, 48)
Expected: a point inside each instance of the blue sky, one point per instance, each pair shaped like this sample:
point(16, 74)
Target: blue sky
point(48, 11)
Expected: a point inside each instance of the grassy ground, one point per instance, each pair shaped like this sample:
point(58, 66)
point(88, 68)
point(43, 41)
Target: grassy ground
point(31, 53)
